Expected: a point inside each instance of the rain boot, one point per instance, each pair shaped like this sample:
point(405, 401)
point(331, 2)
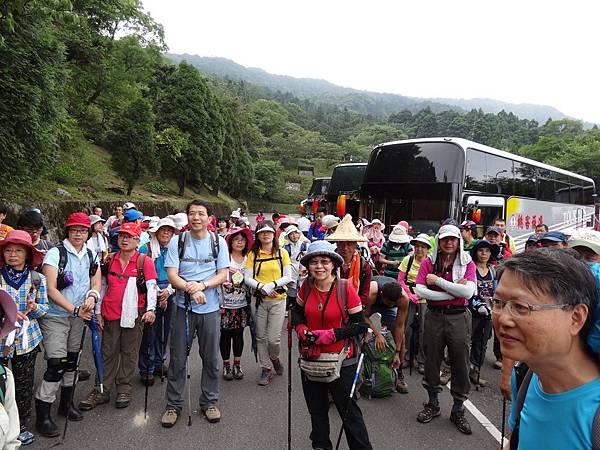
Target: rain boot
point(43, 420)
point(66, 405)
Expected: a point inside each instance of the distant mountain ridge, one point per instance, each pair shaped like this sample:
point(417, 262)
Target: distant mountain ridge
point(365, 102)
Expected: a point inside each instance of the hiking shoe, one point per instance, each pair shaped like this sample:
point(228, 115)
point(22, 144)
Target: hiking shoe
point(429, 413)
point(445, 376)
point(227, 373)
point(93, 399)
point(475, 377)
point(421, 368)
point(212, 413)
point(265, 377)
point(237, 372)
point(123, 400)
point(277, 366)
point(169, 417)
point(147, 379)
point(84, 375)
point(401, 385)
point(497, 364)
point(26, 437)
point(460, 421)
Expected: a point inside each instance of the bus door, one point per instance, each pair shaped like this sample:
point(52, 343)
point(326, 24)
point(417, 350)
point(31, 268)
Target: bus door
point(484, 211)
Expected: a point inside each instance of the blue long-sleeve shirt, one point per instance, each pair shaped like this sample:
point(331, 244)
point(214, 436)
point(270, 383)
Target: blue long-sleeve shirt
point(315, 233)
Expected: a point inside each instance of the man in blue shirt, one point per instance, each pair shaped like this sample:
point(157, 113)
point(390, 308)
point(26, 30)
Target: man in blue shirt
point(314, 231)
point(196, 273)
point(542, 314)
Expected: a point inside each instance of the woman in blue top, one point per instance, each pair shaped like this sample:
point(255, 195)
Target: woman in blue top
point(27, 288)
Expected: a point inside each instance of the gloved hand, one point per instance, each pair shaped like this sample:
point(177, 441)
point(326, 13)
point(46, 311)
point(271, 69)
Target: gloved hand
point(301, 330)
point(483, 311)
point(325, 337)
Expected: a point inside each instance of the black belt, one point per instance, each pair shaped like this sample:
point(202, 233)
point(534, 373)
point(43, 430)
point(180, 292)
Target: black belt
point(448, 309)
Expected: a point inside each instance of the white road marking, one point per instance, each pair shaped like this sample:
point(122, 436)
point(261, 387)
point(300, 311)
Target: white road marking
point(483, 420)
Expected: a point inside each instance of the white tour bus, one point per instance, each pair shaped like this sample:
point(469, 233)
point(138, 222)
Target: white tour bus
point(425, 180)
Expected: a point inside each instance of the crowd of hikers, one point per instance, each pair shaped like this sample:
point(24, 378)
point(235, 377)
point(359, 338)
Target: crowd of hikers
point(364, 305)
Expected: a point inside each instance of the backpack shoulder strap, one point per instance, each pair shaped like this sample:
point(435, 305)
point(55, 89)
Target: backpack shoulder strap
point(93, 265)
point(408, 267)
point(519, 402)
point(140, 265)
point(181, 244)
point(214, 243)
point(3, 380)
point(279, 258)
point(596, 431)
point(63, 257)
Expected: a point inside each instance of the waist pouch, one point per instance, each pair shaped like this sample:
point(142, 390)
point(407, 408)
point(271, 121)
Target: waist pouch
point(326, 368)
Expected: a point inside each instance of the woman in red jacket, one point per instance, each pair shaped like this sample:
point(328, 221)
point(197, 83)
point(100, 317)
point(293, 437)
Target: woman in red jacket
point(328, 317)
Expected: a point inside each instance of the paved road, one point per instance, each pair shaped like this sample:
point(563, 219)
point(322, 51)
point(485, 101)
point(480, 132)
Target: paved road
point(255, 417)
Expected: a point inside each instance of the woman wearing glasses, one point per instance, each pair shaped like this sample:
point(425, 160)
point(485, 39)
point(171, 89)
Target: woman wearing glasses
point(328, 316)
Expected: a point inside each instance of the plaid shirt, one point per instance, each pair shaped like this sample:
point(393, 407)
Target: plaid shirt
point(33, 335)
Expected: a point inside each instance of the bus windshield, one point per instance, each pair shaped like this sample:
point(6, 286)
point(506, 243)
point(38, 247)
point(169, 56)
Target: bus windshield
point(346, 178)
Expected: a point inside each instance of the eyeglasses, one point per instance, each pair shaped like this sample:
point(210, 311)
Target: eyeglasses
point(320, 263)
point(33, 230)
point(520, 309)
point(79, 230)
point(126, 236)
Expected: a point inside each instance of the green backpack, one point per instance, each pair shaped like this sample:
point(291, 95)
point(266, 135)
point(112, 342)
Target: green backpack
point(379, 378)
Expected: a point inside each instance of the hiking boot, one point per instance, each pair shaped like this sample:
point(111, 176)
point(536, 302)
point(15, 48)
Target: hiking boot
point(445, 376)
point(401, 385)
point(212, 413)
point(93, 399)
point(84, 375)
point(277, 366)
point(169, 417)
point(497, 364)
point(429, 413)
point(237, 372)
point(476, 379)
point(43, 420)
point(460, 421)
point(123, 400)
point(421, 368)
point(26, 437)
point(66, 405)
point(165, 370)
point(147, 379)
point(265, 377)
point(227, 373)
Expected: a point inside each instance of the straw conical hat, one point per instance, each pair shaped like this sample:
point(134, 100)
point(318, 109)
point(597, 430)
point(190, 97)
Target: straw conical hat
point(346, 231)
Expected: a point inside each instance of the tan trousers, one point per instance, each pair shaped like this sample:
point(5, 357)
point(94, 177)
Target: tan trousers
point(269, 317)
point(120, 348)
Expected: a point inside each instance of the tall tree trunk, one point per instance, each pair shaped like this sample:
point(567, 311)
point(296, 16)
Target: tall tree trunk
point(181, 184)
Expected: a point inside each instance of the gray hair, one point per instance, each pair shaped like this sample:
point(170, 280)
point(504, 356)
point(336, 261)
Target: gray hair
point(557, 273)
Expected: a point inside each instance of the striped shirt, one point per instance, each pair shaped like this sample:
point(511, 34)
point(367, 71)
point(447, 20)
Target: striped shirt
point(32, 336)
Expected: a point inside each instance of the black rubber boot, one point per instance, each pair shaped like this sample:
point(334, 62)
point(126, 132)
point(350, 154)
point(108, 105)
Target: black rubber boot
point(43, 421)
point(65, 397)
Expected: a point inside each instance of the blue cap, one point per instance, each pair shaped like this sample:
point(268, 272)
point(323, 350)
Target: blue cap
point(132, 215)
point(322, 248)
point(554, 236)
point(496, 230)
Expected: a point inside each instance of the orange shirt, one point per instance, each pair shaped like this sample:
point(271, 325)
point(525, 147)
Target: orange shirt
point(4, 230)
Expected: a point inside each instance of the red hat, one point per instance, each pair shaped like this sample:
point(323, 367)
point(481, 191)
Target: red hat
point(131, 228)
point(9, 314)
point(20, 237)
point(247, 232)
point(79, 219)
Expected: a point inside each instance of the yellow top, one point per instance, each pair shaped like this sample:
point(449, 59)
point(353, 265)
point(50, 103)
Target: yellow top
point(270, 270)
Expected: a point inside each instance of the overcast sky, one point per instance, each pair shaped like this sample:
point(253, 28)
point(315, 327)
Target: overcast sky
point(542, 52)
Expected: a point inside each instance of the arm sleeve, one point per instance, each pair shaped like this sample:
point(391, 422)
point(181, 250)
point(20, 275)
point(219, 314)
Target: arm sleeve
point(356, 326)
point(249, 272)
point(287, 269)
point(429, 294)
point(457, 290)
point(298, 316)
point(151, 295)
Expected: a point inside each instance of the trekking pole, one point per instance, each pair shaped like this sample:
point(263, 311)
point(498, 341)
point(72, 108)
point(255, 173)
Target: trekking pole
point(289, 330)
point(356, 374)
point(146, 333)
point(503, 423)
point(483, 350)
point(75, 378)
point(162, 346)
point(187, 357)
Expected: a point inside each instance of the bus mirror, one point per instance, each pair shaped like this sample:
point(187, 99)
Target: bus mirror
point(475, 215)
point(341, 205)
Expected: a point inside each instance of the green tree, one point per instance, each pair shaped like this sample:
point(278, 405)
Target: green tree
point(132, 143)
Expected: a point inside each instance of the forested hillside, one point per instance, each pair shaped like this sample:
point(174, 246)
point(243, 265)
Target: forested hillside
point(87, 97)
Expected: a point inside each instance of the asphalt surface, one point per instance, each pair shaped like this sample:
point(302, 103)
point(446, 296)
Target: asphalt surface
point(255, 417)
